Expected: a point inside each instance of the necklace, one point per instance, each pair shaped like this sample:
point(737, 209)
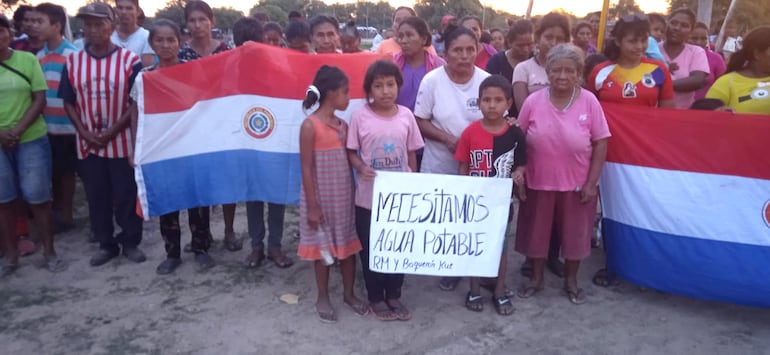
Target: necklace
point(571, 99)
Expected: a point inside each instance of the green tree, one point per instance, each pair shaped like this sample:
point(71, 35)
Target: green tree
point(275, 13)
point(174, 11)
point(226, 16)
point(623, 8)
point(433, 10)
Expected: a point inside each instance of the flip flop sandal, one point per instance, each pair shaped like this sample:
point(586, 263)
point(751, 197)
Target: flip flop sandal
point(576, 297)
point(603, 278)
point(358, 308)
point(384, 314)
point(254, 260)
point(528, 291)
point(503, 305)
point(448, 283)
point(474, 302)
point(232, 242)
point(280, 260)
point(54, 264)
point(326, 317)
point(402, 313)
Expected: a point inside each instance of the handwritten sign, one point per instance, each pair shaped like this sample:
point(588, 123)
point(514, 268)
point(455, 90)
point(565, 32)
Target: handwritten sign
point(442, 225)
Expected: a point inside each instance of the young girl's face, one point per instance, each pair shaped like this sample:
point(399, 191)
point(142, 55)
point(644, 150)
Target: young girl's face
point(350, 44)
point(340, 98)
point(657, 30)
point(165, 43)
point(384, 91)
point(493, 103)
point(273, 38)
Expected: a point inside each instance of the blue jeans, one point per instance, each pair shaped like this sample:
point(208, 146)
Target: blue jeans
point(255, 216)
point(26, 169)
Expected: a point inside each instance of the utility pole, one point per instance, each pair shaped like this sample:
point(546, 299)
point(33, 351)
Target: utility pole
point(529, 8)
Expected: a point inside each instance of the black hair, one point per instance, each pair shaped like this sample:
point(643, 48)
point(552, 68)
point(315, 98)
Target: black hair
point(591, 62)
point(486, 37)
point(247, 29)
point(293, 15)
point(297, 29)
point(707, 104)
point(322, 19)
point(198, 5)
point(273, 26)
point(637, 27)
point(497, 81)
point(497, 30)
point(758, 40)
point(656, 17)
point(261, 16)
point(162, 22)
point(453, 32)
point(579, 25)
point(687, 12)
point(327, 79)
point(474, 18)
point(4, 23)
point(407, 8)
point(351, 29)
point(382, 69)
point(519, 28)
point(701, 25)
point(18, 16)
point(552, 19)
point(55, 14)
point(420, 26)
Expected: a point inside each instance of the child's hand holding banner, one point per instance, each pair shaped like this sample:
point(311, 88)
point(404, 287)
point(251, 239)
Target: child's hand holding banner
point(442, 225)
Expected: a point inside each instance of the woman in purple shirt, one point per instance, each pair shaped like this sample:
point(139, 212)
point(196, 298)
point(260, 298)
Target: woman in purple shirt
point(415, 61)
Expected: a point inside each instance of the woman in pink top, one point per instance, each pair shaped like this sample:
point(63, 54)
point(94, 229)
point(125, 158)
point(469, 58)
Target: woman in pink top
point(485, 51)
point(688, 64)
point(566, 147)
point(717, 66)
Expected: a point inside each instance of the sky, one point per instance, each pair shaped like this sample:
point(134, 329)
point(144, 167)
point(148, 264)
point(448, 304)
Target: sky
point(516, 7)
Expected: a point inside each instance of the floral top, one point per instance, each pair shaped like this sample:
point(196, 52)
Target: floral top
point(186, 53)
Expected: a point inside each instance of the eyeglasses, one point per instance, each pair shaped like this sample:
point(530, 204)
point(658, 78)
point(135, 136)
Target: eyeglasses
point(634, 18)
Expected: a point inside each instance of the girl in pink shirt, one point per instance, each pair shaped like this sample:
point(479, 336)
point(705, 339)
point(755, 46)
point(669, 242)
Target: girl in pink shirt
point(382, 136)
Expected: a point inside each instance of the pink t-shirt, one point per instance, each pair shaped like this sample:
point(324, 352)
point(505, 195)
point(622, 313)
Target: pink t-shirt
point(559, 142)
point(531, 73)
point(717, 68)
point(692, 59)
point(383, 144)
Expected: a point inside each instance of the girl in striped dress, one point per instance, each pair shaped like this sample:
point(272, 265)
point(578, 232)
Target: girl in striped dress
point(327, 225)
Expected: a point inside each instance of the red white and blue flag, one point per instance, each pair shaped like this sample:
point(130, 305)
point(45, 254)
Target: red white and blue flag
point(225, 128)
point(686, 200)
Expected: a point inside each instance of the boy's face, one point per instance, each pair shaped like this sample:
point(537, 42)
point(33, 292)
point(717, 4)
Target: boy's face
point(493, 103)
point(40, 26)
point(657, 30)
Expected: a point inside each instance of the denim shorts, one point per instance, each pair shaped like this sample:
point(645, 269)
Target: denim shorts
point(26, 169)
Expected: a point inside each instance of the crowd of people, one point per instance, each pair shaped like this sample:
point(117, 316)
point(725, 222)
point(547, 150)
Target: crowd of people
point(526, 106)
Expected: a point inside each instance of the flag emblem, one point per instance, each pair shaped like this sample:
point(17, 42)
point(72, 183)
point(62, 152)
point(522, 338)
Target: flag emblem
point(258, 122)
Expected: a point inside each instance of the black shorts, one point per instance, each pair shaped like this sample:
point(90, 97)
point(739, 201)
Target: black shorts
point(64, 154)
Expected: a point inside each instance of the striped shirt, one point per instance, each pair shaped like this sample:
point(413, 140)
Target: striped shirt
point(99, 88)
point(52, 62)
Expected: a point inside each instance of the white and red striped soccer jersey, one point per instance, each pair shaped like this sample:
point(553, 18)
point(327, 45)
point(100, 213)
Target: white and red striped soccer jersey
point(99, 88)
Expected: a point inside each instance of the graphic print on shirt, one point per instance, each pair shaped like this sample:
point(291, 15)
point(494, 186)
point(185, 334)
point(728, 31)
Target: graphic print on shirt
point(498, 161)
point(646, 79)
point(760, 93)
point(388, 155)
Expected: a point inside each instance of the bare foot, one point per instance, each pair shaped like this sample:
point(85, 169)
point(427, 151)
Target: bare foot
point(357, 305)
point(325, 311)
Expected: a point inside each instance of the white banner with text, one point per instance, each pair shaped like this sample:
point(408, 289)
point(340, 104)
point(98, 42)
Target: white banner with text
point(441, 225)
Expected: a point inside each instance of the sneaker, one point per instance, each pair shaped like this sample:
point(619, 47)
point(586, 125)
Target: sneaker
point(102, 257)
point(204, 261)
point(134, 254)
point(168, 266)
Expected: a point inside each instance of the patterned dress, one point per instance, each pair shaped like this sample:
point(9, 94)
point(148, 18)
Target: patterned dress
point(334, 182)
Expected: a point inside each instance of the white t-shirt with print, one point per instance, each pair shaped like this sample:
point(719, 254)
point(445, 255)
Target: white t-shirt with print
point(137, 42)
point(451, 107)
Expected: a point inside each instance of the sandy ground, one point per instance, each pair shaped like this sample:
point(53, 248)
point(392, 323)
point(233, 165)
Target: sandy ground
point(125, 308)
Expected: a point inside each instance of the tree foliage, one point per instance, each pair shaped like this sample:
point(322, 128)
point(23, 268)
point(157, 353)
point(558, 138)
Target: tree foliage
point(225, 17)
point(433, 10)
point(174, 11)
point(747, 14)
point(623, 8)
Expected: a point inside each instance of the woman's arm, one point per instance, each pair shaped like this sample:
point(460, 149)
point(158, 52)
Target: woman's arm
point(434, 133)
point(598, 156)
point(520, 93)
point(696, 81)
point(33, 112)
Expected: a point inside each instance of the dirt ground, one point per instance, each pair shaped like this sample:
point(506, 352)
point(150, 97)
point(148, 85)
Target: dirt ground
point(125, 308)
